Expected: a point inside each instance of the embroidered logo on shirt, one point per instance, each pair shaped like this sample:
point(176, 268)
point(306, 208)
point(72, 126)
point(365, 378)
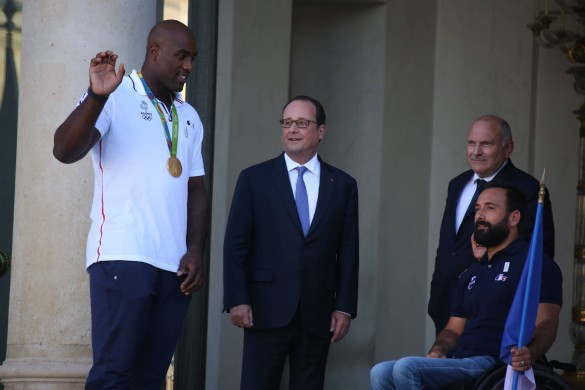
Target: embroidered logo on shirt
point(471, 282)
point(147, 116)
point(189, 124)
point(501, 278)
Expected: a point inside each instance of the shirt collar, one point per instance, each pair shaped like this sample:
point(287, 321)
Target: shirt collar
point(489, 178)
point(517, 245)
point(140, 88)
point(312, 165)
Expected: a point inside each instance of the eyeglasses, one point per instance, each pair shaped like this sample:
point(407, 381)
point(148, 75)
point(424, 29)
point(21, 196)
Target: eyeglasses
point(301, 123)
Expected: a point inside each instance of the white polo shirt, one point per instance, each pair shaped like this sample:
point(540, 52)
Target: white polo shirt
point(139, 210)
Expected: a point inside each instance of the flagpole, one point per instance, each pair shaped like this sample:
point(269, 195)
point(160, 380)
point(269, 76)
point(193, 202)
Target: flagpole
point(531, 252)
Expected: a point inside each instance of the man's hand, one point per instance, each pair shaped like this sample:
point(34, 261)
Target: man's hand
point(340, 323)
point(103, 79)
point(448, 338)
point(436, 352)
point(192, 265)
point(521, 359)
point(241, 316)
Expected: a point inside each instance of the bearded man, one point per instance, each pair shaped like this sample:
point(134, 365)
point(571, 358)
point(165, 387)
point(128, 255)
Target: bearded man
point(470, 343)
point(489, 149)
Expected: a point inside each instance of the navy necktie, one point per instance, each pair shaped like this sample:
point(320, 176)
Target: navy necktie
point(302, 200)
point(479, 184)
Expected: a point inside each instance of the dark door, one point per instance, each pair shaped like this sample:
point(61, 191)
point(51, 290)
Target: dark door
point(8, 121)
point(190, 357)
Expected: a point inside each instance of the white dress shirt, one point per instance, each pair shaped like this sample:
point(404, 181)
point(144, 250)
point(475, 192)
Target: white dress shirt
point(467, 195)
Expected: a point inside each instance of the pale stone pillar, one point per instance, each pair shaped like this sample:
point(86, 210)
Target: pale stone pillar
point(49, 341)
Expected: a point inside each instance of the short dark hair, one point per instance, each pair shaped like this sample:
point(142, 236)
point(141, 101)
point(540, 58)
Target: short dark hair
point(318, 107)
point(515, 199)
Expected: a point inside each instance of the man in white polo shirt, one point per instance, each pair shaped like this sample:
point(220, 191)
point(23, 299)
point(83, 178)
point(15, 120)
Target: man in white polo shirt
point(150, 211)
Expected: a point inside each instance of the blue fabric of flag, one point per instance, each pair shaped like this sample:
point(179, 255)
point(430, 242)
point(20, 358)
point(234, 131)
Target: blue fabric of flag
point(522, 315)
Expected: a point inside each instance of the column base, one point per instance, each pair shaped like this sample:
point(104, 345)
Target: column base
point(38, 375)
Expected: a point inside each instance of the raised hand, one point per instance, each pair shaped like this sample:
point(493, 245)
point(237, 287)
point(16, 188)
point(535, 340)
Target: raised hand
point(103, 78)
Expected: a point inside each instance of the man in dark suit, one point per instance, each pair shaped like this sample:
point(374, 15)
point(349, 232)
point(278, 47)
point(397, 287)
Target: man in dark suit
point(291, 256)
point(489, 146)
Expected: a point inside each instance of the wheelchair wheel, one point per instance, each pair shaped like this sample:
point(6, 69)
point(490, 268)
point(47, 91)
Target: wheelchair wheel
point(546, 379)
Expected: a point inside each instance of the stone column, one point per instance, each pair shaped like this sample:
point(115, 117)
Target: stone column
point(49, 340)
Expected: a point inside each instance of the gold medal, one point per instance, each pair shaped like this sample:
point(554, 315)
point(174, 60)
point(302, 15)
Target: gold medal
point(174, 166)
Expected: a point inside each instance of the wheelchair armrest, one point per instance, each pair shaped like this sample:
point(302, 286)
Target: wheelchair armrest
point(569, 367)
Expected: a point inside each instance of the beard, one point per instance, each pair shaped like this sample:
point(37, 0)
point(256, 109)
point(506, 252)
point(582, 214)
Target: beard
point(491, 235)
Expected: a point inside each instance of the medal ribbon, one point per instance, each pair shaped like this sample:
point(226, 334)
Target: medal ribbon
point(172, 144)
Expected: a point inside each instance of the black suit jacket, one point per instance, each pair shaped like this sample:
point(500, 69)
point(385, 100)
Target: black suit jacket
point(271, 266)
point(454, 253)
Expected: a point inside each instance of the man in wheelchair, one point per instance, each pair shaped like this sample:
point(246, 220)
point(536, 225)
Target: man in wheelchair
point(470, 342)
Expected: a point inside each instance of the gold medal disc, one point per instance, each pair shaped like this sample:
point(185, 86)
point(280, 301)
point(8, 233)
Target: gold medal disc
point(174, 166)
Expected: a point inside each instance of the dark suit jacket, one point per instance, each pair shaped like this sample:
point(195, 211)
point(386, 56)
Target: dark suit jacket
point(271, 266)
point(454, 253)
